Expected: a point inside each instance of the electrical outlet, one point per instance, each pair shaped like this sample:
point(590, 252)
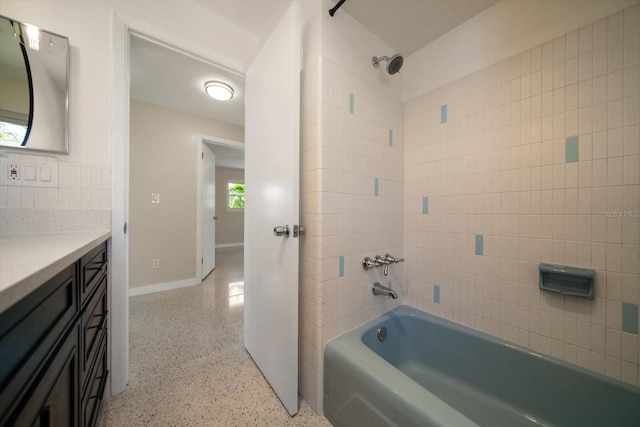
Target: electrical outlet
point(13, 172)
point(156, 263)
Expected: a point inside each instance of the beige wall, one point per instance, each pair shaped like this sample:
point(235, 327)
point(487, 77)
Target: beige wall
point(162, 160)
point(230, 224)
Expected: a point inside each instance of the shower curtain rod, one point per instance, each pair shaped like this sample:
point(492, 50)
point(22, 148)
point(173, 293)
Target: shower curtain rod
point(336, 7)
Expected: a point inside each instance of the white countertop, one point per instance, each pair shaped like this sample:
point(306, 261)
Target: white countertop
point(29, 260)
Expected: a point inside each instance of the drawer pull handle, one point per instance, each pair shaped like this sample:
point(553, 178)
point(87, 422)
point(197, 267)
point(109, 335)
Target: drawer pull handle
point(95, 266)
point(102, 322)
point(102, 385)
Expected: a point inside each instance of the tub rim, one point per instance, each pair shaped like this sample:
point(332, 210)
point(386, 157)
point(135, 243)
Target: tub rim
point(405, 310)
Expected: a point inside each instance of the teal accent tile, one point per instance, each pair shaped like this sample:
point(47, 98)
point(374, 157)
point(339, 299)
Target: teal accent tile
point(341, 266)
point(479, 244)
point(443, 113)
point(436, 294)
point(390, 137)
point(425, 205)
point(352, 103)
point(630, 318)
point(376, 187)
point(571, 149)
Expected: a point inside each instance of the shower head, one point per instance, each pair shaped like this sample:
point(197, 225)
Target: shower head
point(393, 64)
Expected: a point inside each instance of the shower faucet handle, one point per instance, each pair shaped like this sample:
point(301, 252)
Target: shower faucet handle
point(368, 263)
point(392, 259)
point(381, 261)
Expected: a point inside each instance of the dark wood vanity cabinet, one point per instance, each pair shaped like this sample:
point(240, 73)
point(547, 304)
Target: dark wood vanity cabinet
point(53, 348)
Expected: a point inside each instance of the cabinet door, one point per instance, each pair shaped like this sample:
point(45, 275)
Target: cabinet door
point(53, 400)
point(30, 331)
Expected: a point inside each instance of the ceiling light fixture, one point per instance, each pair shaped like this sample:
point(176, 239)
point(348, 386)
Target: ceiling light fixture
point(218, 90)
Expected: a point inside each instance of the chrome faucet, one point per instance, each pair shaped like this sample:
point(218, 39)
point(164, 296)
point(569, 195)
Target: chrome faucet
point(368, 263)
point(378, 289)
point(383, 261)
point(392, 259)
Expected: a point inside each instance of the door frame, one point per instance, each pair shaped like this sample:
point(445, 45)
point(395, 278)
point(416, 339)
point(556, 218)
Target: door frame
point(124, 26)
point(202, 140)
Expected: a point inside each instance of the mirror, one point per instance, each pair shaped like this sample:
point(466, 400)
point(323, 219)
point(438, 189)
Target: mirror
point(33, 88)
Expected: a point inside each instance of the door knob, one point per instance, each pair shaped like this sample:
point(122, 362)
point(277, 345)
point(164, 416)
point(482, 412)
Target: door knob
point(215, 218)
point(281, 230)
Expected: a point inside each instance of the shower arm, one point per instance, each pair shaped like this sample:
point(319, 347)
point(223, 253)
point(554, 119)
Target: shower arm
point(333, 10)
point(376, 60)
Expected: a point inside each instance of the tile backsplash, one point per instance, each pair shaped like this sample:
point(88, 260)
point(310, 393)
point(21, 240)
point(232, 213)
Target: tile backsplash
point(82, 192)
point(534, 159)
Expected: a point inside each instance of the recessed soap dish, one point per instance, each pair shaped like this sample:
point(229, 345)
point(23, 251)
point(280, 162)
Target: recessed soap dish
point(567, 280)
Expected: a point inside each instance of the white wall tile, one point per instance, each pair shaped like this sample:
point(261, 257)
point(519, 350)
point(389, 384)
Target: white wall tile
point(85, 177)
point(75, 176)
point(27, 197)
point(631, 51)
point(585, 41)
point(600, 33)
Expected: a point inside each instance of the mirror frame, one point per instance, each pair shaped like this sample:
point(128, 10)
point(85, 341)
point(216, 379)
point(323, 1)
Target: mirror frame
point(32, 95)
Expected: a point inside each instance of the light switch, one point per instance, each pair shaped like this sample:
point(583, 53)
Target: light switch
point(155, 198)
point(45, 174)
point(29, 173)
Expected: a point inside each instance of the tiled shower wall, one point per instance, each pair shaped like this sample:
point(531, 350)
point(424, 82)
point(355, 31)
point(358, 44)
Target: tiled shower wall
point(534, 159)
point(81, 201)
point(352, 192)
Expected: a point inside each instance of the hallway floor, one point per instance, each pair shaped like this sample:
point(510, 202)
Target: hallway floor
point(188, 365)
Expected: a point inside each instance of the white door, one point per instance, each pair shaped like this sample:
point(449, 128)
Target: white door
point(208, 210)
point(272, 183)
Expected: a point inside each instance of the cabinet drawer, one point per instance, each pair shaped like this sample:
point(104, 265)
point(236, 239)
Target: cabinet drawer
point(53, 399)
point(95, 388)
point(94, 324)
point(92, 266)
point(29, 332)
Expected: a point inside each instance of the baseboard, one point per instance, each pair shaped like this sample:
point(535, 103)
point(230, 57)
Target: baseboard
point(149, 289)
point(230, 245)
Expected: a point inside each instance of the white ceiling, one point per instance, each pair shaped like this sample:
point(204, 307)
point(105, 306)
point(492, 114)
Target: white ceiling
point(408, 25)
point(164, 77)
point(227, 157)
point(405, 25)
point(170, 79)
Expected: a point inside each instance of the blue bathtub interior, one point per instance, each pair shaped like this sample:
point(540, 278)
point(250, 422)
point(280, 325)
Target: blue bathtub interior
point(486, 380)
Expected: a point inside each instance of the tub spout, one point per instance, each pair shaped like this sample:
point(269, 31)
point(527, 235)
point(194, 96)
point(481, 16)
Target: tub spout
point(378, 289)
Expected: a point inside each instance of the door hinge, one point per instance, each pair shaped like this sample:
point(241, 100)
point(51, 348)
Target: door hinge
point(125, 228)
point(203, 154)
point(201, 260)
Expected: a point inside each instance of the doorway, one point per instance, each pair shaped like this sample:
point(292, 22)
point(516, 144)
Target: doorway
point(169, 110)
point(288, 36)
point(219, 163)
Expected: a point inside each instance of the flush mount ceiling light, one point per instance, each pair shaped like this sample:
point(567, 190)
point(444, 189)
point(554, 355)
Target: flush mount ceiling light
point(218, 90)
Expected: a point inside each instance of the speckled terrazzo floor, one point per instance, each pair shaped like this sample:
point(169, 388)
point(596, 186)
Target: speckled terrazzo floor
point(188, 364)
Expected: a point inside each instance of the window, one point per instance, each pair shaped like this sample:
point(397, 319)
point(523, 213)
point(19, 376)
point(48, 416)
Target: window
point(235, 193)
point(12, 134)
